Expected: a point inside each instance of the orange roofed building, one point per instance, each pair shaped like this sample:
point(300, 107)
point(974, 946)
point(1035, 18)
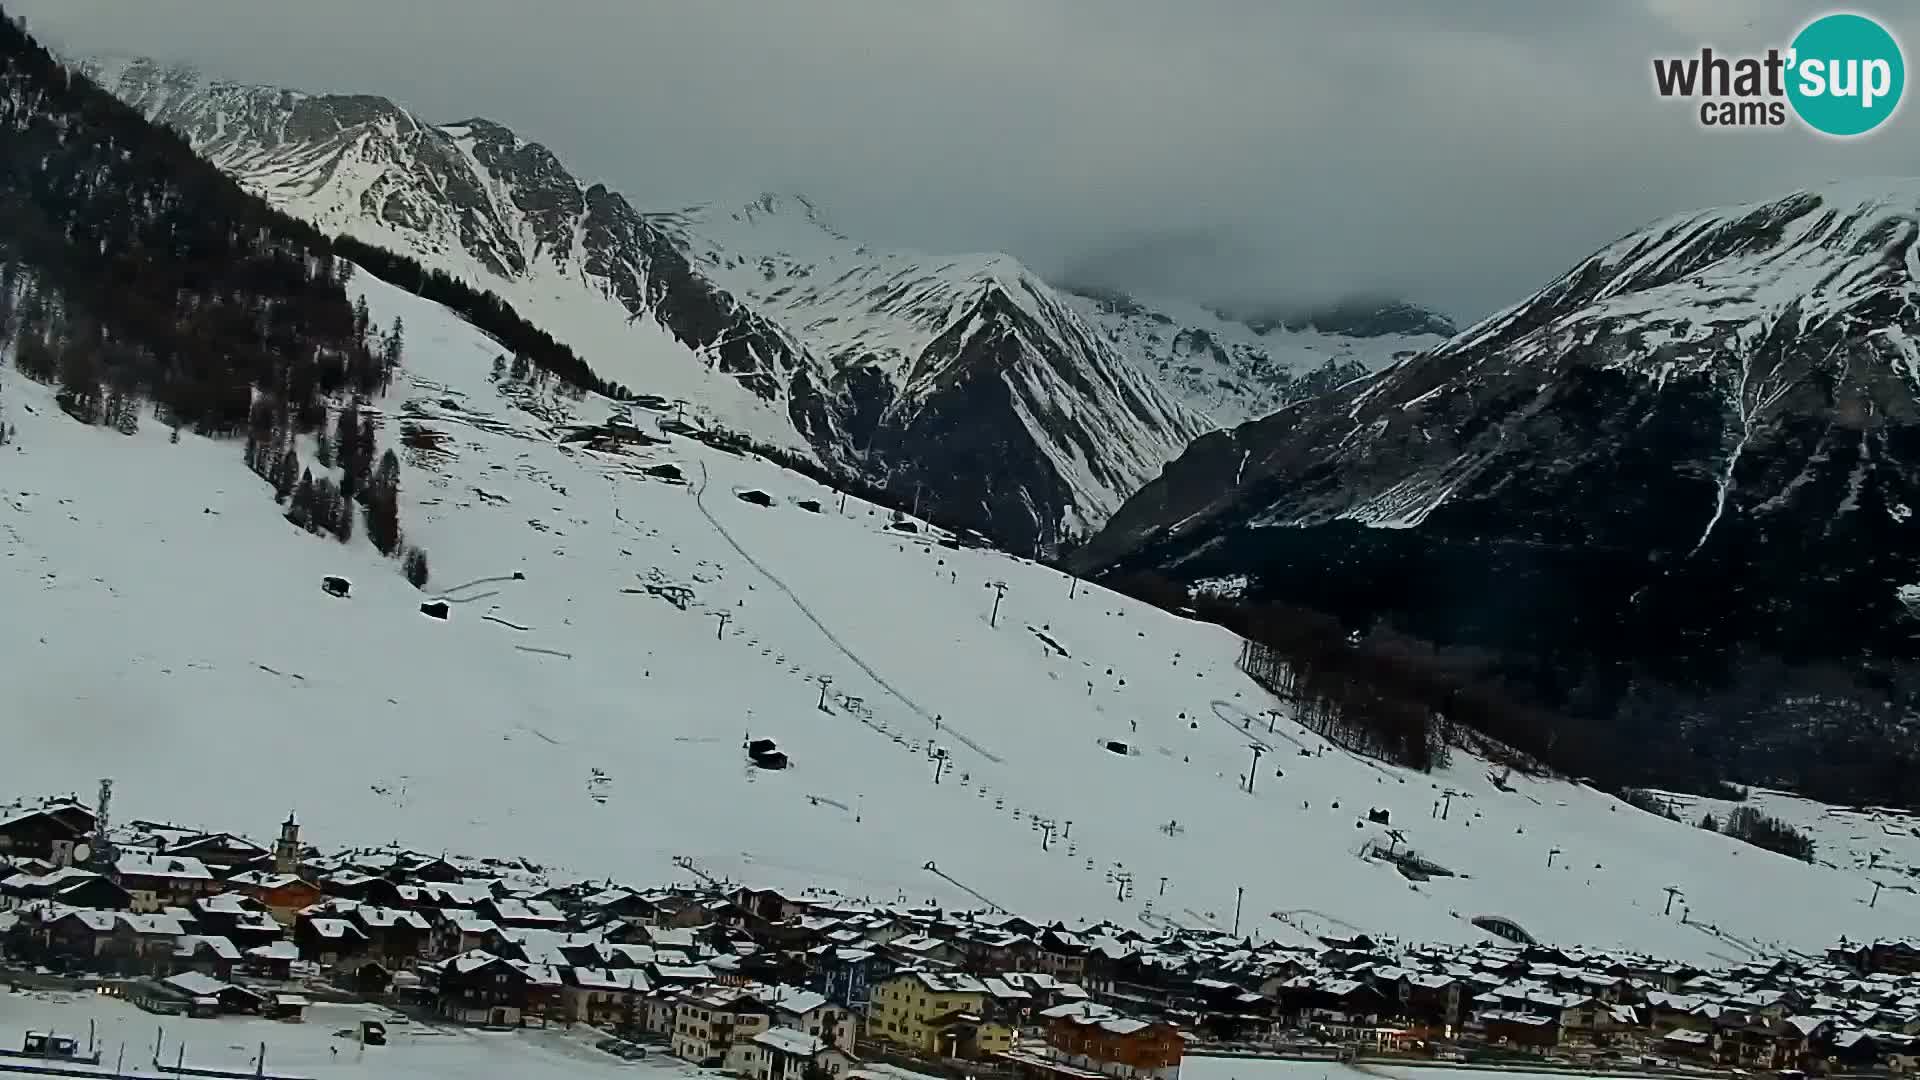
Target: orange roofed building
point(1083, 1035)
point(285, 895)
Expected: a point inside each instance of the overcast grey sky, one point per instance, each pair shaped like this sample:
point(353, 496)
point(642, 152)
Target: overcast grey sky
point(1459, 152)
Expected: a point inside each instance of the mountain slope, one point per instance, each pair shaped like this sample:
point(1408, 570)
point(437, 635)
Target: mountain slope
point(1697, 448)
point(965, 379)
point(131, 269)
point(584, 704)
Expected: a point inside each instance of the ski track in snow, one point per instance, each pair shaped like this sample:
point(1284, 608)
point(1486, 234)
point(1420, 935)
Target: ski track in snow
point(699, 499)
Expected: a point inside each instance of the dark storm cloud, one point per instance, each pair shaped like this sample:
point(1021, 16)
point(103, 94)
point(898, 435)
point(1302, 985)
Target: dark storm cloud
point(1242, 151)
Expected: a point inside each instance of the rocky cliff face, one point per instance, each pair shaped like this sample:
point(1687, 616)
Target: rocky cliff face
point(966, 378)
point(1702, 441)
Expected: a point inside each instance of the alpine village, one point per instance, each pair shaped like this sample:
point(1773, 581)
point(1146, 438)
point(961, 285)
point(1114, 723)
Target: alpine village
point(765, 984)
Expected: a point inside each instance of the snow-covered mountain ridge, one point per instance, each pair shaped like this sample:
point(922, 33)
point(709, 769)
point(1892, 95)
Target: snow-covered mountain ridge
point(857, 305)
point(1702, 436)
point(967, 379)
point(1021, 409)
point(1240, 369)
point(613, 634)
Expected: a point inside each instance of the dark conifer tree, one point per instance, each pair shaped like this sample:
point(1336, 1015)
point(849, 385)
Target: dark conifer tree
point(383, 505)
point(365, 445)
point(284, 480)
point(343, 513)
point(324, 516)
point(300, 512)
point(415, 567)
point(395, 343)
point(346, 445)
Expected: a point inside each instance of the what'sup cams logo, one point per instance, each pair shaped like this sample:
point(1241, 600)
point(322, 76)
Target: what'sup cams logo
point(1843, 76)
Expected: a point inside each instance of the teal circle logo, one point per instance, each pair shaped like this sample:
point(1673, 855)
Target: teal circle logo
point(1847, 74)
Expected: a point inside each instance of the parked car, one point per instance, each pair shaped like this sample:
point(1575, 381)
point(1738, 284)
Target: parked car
point(622, 1049)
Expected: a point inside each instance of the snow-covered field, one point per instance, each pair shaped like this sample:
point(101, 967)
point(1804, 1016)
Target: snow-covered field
point(319, 1049)
point(1230, 1068)
point(162, 625)
point(316, 1048)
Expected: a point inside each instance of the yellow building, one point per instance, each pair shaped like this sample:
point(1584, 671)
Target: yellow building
point(937, 1014)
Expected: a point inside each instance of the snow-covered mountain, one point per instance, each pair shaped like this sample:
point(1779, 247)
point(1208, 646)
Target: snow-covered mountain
point(613, 634)
point(966, 378)
point(1705, 436)
point(1240, 369)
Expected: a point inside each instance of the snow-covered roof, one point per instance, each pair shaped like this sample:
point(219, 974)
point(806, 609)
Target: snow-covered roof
point(174, 867)
point(946, 982)
point(796, 1002)
point(1002, 990)
point(472, 960)
point(198, 984)
point(188, 944)
point(1093, 1014)
point(264, 879)
point(156, 925)
point(632, 979)
point(683, 972)
point(785, 1040)
point(335, 928)
point(382, 918)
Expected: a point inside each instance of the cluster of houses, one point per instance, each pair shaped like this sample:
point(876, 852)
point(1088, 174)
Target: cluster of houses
point(767, 984)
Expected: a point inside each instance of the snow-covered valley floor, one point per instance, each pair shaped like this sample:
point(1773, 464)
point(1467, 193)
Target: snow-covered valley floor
point(318, 1047)
point(161, 624)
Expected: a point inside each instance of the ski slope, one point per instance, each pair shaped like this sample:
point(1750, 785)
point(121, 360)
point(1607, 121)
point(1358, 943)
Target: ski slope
point(164, 626)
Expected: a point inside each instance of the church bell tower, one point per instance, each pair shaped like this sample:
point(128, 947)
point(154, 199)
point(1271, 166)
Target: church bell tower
point(286, 851)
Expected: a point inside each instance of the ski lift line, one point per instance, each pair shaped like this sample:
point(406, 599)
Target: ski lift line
point(699, 494)
point(1284, 916)
point(1219, 710)
point(1355, 755)
point(496, 580)
point(956, 883)
point(1211, 924)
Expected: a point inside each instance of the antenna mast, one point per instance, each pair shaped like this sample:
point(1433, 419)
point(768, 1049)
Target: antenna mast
point(102, 848)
